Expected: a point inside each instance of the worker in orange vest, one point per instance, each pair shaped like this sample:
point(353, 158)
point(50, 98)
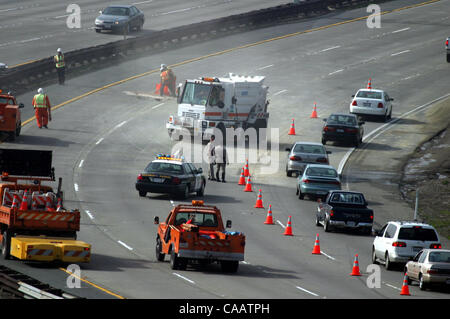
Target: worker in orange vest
point(168, 79)
point(42, 108)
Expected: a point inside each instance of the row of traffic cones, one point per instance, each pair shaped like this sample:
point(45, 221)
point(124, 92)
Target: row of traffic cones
point(24, 204)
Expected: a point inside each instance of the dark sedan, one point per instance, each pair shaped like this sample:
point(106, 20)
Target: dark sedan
point(120, 18)
point(346, 128)
point(167, 175)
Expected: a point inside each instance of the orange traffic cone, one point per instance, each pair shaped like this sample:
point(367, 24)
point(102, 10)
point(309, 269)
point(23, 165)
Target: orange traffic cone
point(24, 204)
point(288, 231)
point(269, 219)
point(48, 205)
point(355, 270)
point(246, 170)
point(316, 249)
point(15, 203)
point(259, 203)
point(314, 112)
point(242, 178)
point(59, 205)
point(405, 288)
point(248, 186)
point(292, 129)
point(369, 84)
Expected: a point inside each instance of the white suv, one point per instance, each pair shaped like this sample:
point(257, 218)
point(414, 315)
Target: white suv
point(398, 242)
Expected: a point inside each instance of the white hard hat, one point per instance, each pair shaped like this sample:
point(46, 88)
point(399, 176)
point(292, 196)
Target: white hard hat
point(59, 50)
point(40, 91)
point(163, 66)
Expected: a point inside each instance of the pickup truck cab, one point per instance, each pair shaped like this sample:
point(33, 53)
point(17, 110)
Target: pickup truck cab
point(10, 115)
point(344, 209)
point(196, 234)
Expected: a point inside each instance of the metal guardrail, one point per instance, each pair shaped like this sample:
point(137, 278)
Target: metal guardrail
point(34, 74)
point(15, 285)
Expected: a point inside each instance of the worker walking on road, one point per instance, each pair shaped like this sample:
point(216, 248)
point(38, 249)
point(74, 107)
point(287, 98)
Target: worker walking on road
point(60, 66)
point(42, 108)
point(168, 79)
point(221, 161)
point(211, 157)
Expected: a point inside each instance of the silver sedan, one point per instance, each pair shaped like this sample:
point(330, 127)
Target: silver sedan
point(304, 153)
point(429, 266)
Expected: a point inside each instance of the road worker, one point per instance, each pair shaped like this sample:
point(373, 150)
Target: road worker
point(60, 65)
point(221, 161)
point(42, 108)
point(211, 157)
point(168, 79)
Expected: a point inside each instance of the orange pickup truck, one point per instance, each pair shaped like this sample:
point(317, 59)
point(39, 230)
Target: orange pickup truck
point(196, 234)
point(10, 120)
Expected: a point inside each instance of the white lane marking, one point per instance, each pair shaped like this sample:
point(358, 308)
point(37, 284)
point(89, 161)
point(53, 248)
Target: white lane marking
point(279, 92)
point(29, 40)
point(156, 106)
point(307, 291)
point(10, 9)
point(265, 67)
point(121, 124)
point(81, 163)
point(332, 48)
point(76, 187)
point(142, 2)
point(398, 53)
point(58, 17)
point(125, 245)
point(327, 255)
point(89, 214)
point(182, 277)
point(281, 224)
point(337, 71)
point(99, 141)
point(401, 30)
point(391, 286)
point(412, 76)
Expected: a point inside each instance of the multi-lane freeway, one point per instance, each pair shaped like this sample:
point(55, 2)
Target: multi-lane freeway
point(101, 141)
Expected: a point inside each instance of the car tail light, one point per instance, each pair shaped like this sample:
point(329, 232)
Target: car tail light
point(331, 213)
point(354, 103)
point(322, 160)
point(329, 129)
point(371, 217)
point(446, 43)
point(399, 244)
point(140, 178)
point(176, 180)
point(435, 246)
point(432, 271)
point(380, 105)
point(306, 181)
point(350, 130)
point(295, 158)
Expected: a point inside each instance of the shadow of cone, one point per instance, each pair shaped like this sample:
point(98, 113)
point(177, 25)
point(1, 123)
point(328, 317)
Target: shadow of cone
point(269, 218)
point(292, 129)
point(288, 230)
point(405, 288)
point(259, 203)
point(316, 248)
point(355, 270)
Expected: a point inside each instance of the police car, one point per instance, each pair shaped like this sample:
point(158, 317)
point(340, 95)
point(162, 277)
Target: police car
point(170, 175)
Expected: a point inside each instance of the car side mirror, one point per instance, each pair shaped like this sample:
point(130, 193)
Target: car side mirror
point(329, 152)
point(21, 105)
point(220, 104)
point(391, 99)
point(361, 123)
point(156, 220)
point(228, 224)
point(200, 170)
point(287, 149)
point(324, 119)
point(375, 232)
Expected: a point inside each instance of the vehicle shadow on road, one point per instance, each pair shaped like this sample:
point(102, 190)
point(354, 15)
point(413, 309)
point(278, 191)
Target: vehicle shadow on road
point(245, 270)
point(42, 140)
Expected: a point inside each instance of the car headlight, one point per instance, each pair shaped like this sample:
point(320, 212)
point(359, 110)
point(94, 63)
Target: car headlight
point(117, 22)
point(97, 21)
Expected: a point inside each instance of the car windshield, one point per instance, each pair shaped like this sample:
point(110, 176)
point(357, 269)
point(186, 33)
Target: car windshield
point(161, 167)
point(348, 198)
point(439, 256)
point(417, 233)
point(321, 172)
point(199, 219)
point(369, 95)
point(341, 120)
point(196, 93)
point(310, 149)
point(116, 11)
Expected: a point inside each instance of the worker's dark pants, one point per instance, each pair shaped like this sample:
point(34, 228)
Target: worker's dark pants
point(221, 167)
point(61, 74)
point(211, 171)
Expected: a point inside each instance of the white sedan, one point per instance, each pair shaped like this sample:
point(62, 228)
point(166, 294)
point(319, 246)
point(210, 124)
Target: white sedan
point(372, 102)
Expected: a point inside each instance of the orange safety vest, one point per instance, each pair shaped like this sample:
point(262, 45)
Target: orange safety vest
point(165, 76)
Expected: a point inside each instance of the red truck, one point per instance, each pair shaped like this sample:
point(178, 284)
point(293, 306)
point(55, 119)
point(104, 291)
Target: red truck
point(34, 225)
point(10, 115)
point(196, 234)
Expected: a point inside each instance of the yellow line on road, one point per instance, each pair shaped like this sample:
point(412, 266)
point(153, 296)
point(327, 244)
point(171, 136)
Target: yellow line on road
point(92, 284)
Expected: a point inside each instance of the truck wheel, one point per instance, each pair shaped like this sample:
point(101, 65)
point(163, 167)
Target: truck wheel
point(230, 266)
point(18, 128)
point(174, 263)
point(12, 136)
point(159, 255)
point(6, 245)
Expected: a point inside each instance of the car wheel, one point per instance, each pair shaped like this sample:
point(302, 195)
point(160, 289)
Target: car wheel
point(317, 220)
point(422, 284)
point(6, 245)
point(186, 192)
point(374, 256)
point(390, 114)
point(98, 30)
point(448, 58)
point(387, 262)
point(142, 193)
point(324, 141)
point(201, 191)
point(357, 142)
point(158, 249)
point(300, 194)
point(289, 173)
point(326, 226)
